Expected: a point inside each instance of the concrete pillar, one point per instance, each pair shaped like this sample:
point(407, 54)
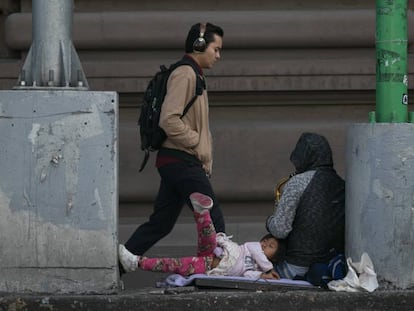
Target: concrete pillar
point(380, 199)
point(52, 60)
point(58, 191)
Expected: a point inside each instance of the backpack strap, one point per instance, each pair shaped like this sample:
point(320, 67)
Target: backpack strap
point(188, 106)
point(200, 83)
point(144, 162)
point(147, 154)
point(200, 86)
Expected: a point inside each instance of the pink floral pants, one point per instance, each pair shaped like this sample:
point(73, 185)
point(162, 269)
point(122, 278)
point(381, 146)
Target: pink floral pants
point(201, 263)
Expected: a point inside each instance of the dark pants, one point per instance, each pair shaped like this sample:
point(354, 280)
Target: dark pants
point(178, 181)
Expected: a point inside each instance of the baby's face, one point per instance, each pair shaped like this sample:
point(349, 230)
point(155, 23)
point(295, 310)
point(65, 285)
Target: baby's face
point(269, 247)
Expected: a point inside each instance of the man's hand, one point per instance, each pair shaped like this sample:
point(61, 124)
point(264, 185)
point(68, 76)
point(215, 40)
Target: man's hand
point(272, 274)
point(207, 170)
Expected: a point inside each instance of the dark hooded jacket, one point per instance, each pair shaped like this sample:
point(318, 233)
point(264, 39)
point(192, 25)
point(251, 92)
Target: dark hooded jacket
point(319, 222)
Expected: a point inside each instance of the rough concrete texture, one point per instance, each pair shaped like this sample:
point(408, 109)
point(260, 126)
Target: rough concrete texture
point(380, 199)
point(58, 191)
point(158, 299)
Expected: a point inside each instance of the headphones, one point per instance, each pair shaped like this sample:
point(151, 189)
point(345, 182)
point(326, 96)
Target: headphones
point(200, 45)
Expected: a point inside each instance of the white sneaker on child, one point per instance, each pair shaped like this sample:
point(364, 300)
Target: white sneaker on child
point(128, 260)
point(200, 202)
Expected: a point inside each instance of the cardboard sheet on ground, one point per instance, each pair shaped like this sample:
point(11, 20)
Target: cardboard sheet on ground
point(234, 282)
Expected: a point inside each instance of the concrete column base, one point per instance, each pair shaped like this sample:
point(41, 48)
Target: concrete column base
point(380, 199)
point(58, 191)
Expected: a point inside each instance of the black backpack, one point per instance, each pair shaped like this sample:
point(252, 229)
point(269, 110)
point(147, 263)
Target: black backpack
point(152, 136)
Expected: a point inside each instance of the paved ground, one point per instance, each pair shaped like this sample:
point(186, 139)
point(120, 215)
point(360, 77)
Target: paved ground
point(192, 298)
point(141, 295)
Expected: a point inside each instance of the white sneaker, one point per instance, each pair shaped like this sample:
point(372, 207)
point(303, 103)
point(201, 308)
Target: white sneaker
point(200, 202)
point(128, 260)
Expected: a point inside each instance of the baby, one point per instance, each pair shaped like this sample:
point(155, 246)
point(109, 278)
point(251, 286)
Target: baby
point(216, 253)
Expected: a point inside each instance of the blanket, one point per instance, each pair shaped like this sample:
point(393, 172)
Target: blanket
point(175, 280)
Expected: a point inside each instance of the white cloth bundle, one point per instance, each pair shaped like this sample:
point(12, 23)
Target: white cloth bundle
point(360, 277)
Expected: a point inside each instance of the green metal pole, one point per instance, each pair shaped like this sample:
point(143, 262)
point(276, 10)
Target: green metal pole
point(391, 71)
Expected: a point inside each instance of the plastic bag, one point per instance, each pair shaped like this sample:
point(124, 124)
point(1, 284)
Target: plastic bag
point(361, 276)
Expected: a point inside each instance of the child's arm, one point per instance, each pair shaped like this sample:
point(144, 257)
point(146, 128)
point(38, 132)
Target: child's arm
point(259, 257)
point(256, 274)
point(272, 274)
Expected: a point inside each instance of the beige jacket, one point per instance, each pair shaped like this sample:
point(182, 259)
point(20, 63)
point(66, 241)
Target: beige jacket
point(191, 133)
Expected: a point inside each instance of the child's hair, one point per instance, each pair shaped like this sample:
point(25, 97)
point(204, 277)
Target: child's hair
point(279, 256)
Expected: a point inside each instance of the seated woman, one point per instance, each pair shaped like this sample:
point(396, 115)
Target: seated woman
point(311, 212)
point(216, 253)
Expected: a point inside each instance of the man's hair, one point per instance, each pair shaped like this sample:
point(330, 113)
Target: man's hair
point(194, 33)
point(279, 256)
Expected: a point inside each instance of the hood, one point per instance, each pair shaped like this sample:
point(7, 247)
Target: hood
point(312, 151)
